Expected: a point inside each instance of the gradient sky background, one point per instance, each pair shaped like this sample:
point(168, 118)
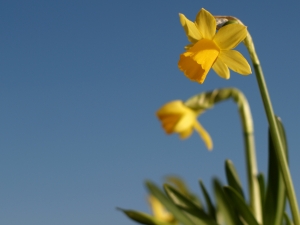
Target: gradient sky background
point(79, 86)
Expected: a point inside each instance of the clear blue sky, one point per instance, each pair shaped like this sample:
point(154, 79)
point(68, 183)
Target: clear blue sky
point(80, 82)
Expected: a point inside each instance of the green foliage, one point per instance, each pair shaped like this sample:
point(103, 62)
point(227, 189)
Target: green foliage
point(224, 205)
point(142, 218)
point(210, 207)
point(262, 188)
point(240, 206)
point(230, 208)
point(180, 185)
point(233, 178)
point(169, 204)
point(287, 220)
point(275, 194)
point(194, 212)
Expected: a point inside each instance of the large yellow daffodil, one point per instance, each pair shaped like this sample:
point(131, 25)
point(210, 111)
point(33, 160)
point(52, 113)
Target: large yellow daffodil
point(209, 49)
point(159, 211)
point(178, 118)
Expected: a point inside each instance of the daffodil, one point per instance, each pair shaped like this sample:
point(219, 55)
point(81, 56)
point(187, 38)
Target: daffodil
point(211, 49)
point(159, 211)
point(178, 118)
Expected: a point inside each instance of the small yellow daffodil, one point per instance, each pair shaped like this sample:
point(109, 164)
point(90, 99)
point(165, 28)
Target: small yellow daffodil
point(178, 118)
point(211, 49)
point(159, 211)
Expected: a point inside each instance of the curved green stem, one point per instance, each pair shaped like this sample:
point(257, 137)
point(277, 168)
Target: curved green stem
point(274, 130)
point(207, 100)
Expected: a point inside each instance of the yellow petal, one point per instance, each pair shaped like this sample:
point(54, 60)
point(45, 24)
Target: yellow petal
point(186, 122)
point(175, 106)
point(206, 24)
point(229, 36)
point(235, 61)
point(190, 29)
point(204, 135)
point(221, 69)
point(185, 134)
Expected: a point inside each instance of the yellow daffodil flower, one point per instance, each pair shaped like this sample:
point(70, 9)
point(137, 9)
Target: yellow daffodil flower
point(178, 118)
point(159, 211)
point(211, 49)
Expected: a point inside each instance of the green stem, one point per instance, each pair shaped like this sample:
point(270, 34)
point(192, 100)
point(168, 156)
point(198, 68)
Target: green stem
point(274, 130)
point(207, 100)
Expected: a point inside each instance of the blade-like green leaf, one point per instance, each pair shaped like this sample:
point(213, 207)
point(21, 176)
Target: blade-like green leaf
point(287, 219)
point(188, 206)
point(262, 189)
point(178, 198)
point(240, 205)
point(276, 193)
point(224, 206)
point(168, 204)
point(282, 133)
point(233, 178)
point(142, 218)
point(183, 189)
point(198, 217)
point(210, 206)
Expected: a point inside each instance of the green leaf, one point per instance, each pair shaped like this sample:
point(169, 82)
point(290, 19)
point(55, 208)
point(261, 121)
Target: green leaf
point(241, 206)
point(168, 204)
point(178, 198)
point(198, 217)
point(233, 178)
point(276, 194)
point(287, 219)
point(210, 206)
point(143, 218)
point(224, 206)
point(183, 189)
point(198, 214)
point(262, 189)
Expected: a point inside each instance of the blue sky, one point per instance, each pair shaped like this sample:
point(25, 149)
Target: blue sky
point(80, 82)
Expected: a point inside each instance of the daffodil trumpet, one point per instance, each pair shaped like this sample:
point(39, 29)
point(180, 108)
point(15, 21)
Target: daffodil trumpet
point(178, 118)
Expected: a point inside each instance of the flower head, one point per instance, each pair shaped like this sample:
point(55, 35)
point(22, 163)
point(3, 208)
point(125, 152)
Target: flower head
point(211, 49)
point(178, 118)
point(159, 211)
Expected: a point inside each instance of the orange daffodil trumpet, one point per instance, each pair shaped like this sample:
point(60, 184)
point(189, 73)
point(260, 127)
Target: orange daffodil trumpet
point(178, 118)
point(211, 49)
